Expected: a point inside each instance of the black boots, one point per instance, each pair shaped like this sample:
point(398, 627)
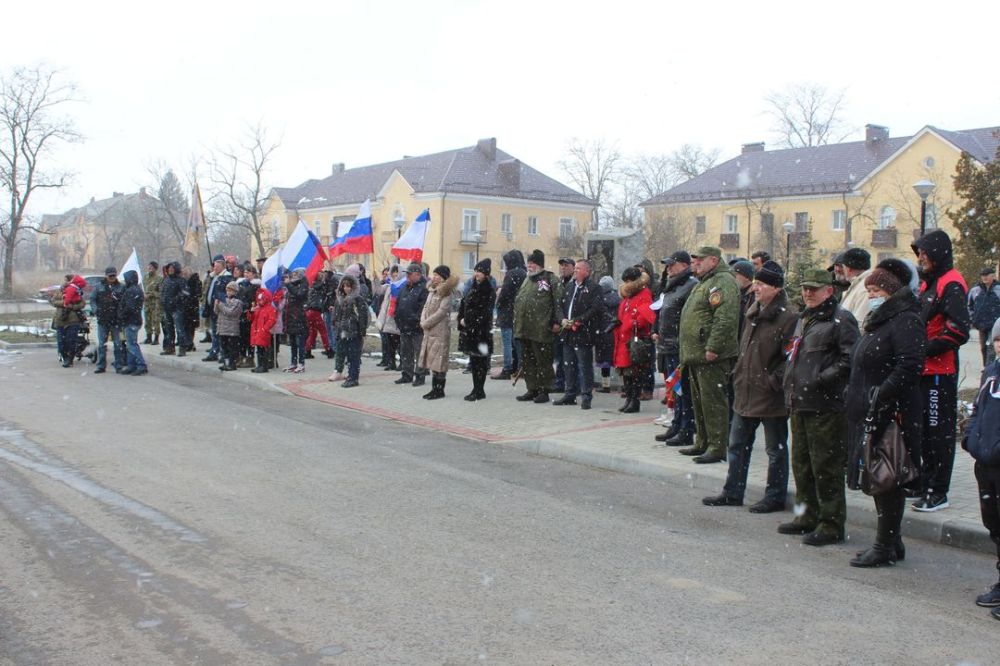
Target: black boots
point(478, 383)
point(437, 388)
point(888, 547)
point(632, 391)
point(261, 361)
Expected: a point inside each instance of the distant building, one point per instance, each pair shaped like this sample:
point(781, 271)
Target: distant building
point(857, 193)
point(482, 202)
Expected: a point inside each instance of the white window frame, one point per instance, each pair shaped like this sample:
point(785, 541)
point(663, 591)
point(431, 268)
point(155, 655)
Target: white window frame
point(887, 217)
point(567, 227)
point(839, 219)
point(506, 223)
point(470, 219)
point(333, 228)
point(731, 223)
point(532, 225)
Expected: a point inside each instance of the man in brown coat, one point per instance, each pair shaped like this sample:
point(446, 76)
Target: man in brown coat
point(758, 395)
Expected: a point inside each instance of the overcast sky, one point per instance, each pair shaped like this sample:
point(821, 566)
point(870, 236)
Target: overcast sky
point(366, 82)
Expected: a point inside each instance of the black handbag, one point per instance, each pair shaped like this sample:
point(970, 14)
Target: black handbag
point(640, 350)
point(885, 463)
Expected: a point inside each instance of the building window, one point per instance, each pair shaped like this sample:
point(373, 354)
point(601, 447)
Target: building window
point(470, 262)
point(532, 226)
point(333, 227)
point(470, 220)
point(699, 224)
point(887, 218)
point(567, 227)
point(839, 220)
point(732, 224)
point(505, 223)
point(932, 218)
point(802, 221)
point(316, 228)
point(767, 223)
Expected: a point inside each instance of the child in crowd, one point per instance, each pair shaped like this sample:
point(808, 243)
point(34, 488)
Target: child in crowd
point(262, 319)
point(228, 314)
point(351, 317)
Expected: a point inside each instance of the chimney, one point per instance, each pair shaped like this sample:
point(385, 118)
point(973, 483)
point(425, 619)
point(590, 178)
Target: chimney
point(875, 133)
point(752, 148)
point(338, 167)
point(488, 147)
point(510, 173)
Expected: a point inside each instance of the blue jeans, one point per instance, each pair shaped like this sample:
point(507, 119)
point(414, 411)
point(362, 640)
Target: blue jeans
point(578, 370)
point(297, 341)
point(180, 329)
point(683, 407)
point(115, 332)
point(331, 333)
point(741, 438)
point(353, 354)
point(135, 359)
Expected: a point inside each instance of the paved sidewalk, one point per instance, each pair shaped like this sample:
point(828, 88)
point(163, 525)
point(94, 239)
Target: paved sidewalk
point(601, 437)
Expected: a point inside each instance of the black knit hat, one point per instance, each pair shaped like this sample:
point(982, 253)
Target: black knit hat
point(899, 268)
point(443, 271)
point(484, 266)
point(744, 268)
point(857, 259)
point(771, 274)
point(537, 257)
point(631, 274)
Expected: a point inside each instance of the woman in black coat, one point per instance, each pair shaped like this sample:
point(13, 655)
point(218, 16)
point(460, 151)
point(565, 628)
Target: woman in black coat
point(475, 327)
point(192, 312)
point(604, 347)
point(888, 357)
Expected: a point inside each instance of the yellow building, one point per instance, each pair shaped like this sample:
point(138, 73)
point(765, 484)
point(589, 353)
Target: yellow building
point(482, 203)
point(854, 194)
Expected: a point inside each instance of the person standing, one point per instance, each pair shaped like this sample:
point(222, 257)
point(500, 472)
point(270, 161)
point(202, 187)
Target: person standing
point(566, 266)
point(151, 292)
point(678, 285)
point(943, 309)
point(409, 304)
point(984, 308)
point(69, 317)
point(386, 321)
point(475, 327)
point(351, 315)
point(743, 272)
point(708, 345)
point(758, 396)
point(218, 279)
point(604, 338)
point(512, 281)
point(818, 367)
point(296, 293)
point(435, 320)
point(228, 313)
point(857, 265)
point(262, 319)
point(104, 302)
point(583, 315)
point(316, 303)
point(172, 300)
point(130, 316)
point(635, 323)
point(536, 321)
point(886, 365)
point(190, 296)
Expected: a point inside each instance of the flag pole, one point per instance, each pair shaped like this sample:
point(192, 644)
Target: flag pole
point(204, 219)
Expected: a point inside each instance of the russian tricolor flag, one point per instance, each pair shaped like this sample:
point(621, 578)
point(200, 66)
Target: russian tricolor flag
point(394, 289)
point(302, 250)
point(357, 239)
point(410, 246)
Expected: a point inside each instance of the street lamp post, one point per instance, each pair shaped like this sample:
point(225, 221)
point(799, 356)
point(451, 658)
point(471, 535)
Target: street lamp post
point(399, 221)
point(923, 188)
point(788, 227)
point(479, 239)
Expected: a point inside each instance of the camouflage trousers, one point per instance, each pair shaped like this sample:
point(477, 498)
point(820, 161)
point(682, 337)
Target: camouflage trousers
point(819, 452)
point(537, 367)
point(710, 397)
point(152, 322)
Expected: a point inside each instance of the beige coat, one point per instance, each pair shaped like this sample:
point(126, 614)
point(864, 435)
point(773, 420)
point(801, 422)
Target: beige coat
point(855, 299)
point(435, 320)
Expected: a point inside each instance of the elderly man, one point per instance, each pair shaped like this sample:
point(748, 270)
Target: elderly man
point(677, 288)
point(857, 266)
point(219, 278)
point(984, 309)
point(537, 317)
point(583, 312)
point(409, 305)
point(758, 398)
point(819, 365)
point(708, 345)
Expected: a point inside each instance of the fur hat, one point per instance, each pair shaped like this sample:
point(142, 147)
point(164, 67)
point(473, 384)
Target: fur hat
point(537, 257)
point(857, 259)
point(771, 274)
point(884, 280)
point(443, 271)
point(484, 266)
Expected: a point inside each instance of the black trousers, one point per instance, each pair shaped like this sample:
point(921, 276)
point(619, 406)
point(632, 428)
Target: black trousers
point(988, 478)
point(940, 398)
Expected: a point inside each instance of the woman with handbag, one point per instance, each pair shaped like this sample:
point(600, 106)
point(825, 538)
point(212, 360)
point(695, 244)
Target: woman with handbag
point(633, 337)
point(885, 370)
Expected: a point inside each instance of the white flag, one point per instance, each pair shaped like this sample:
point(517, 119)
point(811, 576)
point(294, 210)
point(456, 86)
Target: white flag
point(132, 264)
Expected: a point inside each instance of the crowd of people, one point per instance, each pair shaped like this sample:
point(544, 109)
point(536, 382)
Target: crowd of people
point(852, 346)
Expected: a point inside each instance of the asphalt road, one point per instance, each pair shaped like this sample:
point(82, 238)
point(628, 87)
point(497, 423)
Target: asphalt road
point(175, 519)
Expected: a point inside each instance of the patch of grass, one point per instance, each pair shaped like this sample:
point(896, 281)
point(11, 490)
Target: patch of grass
point(14, 337)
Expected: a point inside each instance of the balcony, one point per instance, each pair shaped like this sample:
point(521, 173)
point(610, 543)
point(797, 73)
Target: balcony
point(884, 237)
point(729, 241)
point(473, 236)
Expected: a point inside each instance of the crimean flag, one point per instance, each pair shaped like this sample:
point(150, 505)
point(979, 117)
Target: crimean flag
point(410, 246)
point(357, 239)
point(195, 235)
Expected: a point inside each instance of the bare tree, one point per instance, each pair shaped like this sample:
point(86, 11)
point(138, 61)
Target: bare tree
point(807, 114)
point(669, 229)
point(238, 175)
point(691, 160)
point(592, 166)
point(857, 208)
point(31, 103)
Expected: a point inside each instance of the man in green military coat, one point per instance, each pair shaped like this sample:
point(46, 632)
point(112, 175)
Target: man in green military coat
point(709, 344)
point(537, 317)
point(151, 287)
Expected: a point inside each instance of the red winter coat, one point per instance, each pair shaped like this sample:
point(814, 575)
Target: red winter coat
point(262, 318)
point(634, 308)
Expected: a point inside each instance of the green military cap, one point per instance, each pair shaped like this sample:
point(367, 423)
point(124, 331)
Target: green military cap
point(708, 251)
point(816, 277)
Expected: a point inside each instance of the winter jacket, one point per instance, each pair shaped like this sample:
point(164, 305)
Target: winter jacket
point(69, 304)
point(475, 320)
point(319, 296)
point(604, 347)
point(227, 316)
point(262, 318)
point(635, 316)
point(171, 291)
point(984, 305)
point(386, 322)
point(351, 312)
point(710, 318)
point(130, 305)
point(819, 361)
point(982, 432)
point(151, 288)
point(942, 305)
point(675, 294)
point(583, 305)
point(297, 291)
point(216, 292)
point(435, 321)
point(889, 356)
point(104, 302)
point(409, 305)
point(512, 281)
point(760, 367)
point(855, 299)
point(189, 297)
point(537, 307)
